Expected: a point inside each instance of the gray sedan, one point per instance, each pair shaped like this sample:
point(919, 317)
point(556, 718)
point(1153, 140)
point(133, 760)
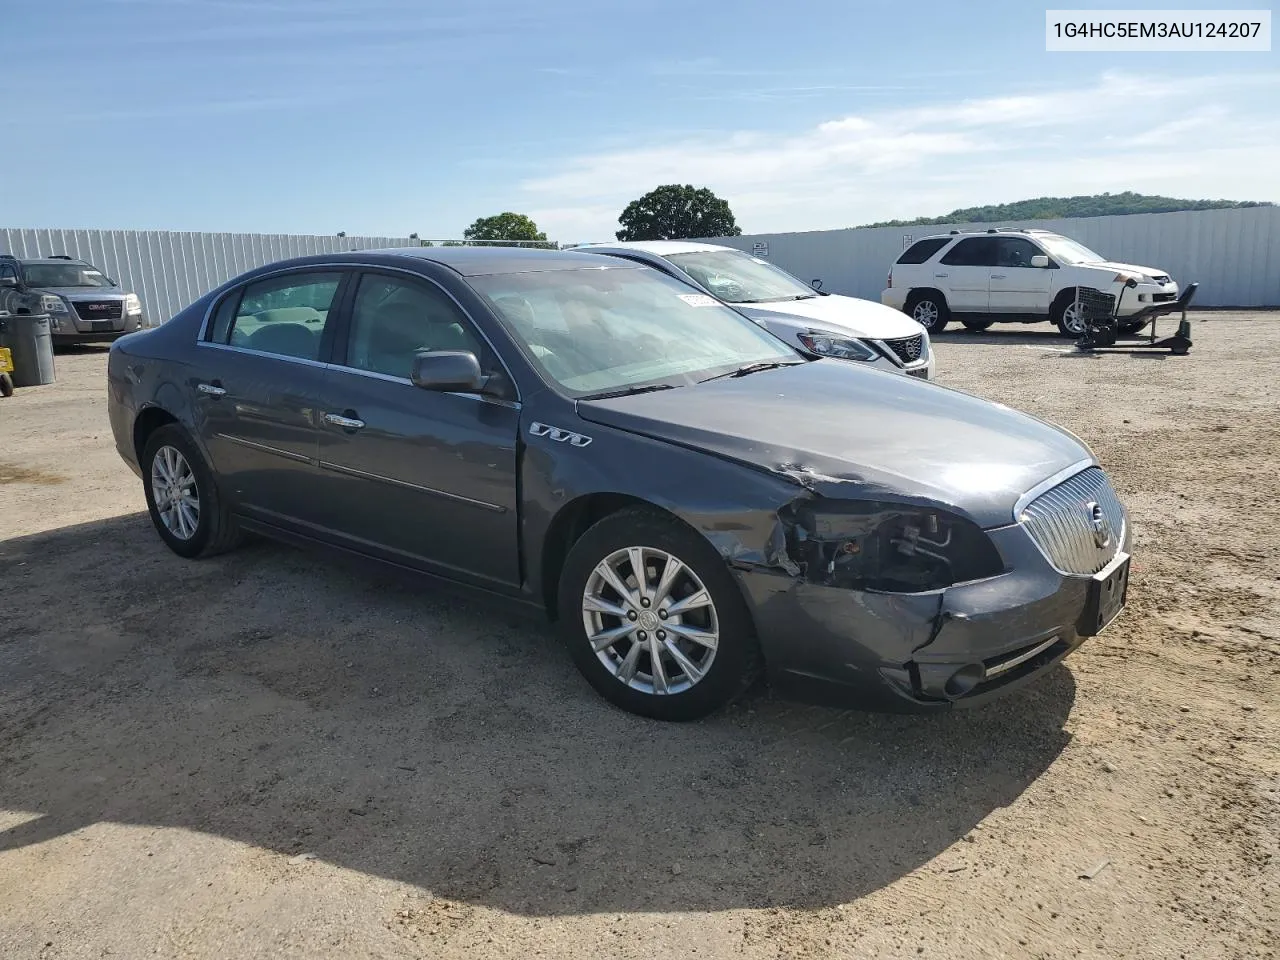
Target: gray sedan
point(693, 509)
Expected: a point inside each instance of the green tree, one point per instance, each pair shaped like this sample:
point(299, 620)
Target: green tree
point(675, 212)
point(506, 227)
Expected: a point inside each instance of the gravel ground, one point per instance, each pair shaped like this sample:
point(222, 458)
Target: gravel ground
point(277, 753)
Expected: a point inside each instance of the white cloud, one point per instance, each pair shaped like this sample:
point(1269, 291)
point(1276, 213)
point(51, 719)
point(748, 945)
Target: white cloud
point(1204, 136)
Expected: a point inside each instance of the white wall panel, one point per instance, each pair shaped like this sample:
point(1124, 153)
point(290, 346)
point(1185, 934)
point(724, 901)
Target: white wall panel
point(168, 270)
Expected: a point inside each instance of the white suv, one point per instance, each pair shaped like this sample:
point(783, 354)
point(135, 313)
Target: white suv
point(1022, 276)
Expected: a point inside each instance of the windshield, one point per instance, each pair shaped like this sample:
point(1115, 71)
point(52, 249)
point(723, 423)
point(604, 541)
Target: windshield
point(1069, 251)
point(64, 275)
point(735, 277)
point(595, 331)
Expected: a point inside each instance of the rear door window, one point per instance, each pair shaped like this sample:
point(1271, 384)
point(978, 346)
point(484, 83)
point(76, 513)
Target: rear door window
point(922, 250)
point(972, 252)
point(285, 315)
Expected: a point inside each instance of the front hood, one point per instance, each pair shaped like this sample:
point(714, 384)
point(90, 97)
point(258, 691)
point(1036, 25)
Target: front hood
point(85, 293)
point(862, 318)
point(843, 431)
point(1124, 267)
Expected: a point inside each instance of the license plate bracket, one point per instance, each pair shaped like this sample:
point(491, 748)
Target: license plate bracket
point(1108, 591)
point(101, 326)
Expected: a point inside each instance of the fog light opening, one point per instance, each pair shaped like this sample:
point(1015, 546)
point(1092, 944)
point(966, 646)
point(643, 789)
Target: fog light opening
point(964, 680)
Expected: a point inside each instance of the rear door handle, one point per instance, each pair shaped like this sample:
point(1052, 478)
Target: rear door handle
point(346, 423)
point(939, 274)
point(212, 389)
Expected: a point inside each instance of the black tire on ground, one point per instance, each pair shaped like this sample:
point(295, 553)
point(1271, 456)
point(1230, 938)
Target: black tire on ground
point(929, 309)
point(1132, 327)
point(6, 385)
point(736, 661)
point(977, 326)
point(1058, 315)
point(216, 530)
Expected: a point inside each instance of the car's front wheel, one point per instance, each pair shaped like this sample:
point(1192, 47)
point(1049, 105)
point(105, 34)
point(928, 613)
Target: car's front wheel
point(653, 618)
point(929, 309)
point(1068, 314)
point(182, 498)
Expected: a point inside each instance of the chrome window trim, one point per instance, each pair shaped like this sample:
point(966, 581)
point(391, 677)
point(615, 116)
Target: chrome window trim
point(1048, 484)
point(367, 267)
point(405, 484)
point(391, 378)
point(263, 353)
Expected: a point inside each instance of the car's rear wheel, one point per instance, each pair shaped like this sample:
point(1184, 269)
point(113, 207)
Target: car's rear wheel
point(182, 498)
point(977, 326)
point(929, 309)
point(653, 618)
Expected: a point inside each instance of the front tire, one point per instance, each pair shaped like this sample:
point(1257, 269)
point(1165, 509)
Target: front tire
point(1069, 317)
point(653, 618)
point(182, 498)
point(929, 309)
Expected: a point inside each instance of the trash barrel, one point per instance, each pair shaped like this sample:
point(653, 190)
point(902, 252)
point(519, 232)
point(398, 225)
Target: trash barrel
point(27, 335)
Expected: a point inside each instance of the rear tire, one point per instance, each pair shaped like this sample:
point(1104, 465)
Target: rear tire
point(6, 385)
point(929, 309)
point(977, 326)
point(185, 506)
point(690, 616)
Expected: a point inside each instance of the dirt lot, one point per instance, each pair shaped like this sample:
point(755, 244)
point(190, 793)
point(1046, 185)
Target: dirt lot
point(275, 753)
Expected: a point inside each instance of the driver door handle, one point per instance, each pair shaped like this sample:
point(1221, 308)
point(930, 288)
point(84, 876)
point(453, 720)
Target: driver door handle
point(346, 423)
point(997, 276)
point(212, 389)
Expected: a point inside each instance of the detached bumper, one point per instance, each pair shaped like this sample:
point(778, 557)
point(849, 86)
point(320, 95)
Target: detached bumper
point(900, 652)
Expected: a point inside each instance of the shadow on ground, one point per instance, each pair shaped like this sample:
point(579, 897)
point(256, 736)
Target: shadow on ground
point(1010, 333)
point(298, 704)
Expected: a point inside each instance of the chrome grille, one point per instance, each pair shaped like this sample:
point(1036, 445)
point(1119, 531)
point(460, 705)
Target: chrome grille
point(907, 349)
point(1061, 521)
point(99, 309)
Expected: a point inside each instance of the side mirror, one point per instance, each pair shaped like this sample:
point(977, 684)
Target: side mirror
point(448, 371)
point(816, 284)
point(1040, 260)
point(8, 282)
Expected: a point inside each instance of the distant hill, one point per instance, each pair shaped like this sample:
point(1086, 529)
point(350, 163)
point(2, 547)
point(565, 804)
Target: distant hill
point(1051, 208)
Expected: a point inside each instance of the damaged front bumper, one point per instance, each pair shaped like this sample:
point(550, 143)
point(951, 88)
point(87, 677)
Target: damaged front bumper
point(916, 652)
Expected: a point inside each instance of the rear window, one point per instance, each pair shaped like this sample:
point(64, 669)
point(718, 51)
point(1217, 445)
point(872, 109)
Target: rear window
point(922, 250)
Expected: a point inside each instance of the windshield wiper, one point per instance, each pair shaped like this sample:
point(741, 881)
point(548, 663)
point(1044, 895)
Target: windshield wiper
point(754, 368)
point(802, 296)
point(629, 391)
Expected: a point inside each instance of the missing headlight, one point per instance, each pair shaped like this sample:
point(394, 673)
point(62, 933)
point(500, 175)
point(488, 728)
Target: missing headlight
point(893, 548)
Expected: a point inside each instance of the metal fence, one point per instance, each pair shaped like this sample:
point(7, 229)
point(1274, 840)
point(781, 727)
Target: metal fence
point(169, 270)
point(1234, 254)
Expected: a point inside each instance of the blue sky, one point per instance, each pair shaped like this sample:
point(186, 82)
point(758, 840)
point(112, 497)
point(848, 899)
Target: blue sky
point(392, 116)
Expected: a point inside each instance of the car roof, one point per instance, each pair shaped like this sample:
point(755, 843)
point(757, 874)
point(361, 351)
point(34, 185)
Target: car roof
point(485, 261)
point(662, 248)
point(51, 261)
point(1002, 231)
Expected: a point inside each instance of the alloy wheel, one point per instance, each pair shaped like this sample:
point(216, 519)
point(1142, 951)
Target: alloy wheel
point(174, 491)
point(650, 620)
point(1073, 319)
point(925, 314)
